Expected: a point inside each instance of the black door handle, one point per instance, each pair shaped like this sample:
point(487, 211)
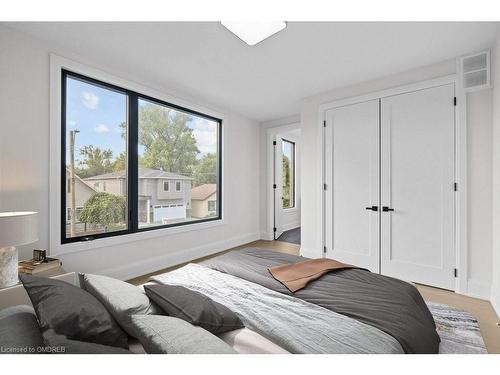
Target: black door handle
point(372, 208)
point(385, 209)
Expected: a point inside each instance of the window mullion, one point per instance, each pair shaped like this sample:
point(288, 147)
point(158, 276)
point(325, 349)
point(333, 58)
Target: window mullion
point(133, 163)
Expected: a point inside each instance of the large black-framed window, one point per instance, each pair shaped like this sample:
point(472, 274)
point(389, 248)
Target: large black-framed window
point(120, 148)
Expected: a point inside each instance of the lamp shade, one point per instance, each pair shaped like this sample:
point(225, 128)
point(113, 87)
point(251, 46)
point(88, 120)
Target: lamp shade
point(18, 228)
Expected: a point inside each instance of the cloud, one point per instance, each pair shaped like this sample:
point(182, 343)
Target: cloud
point(90, 100)
point(205, 133)
point(72, 124)
point(101, 129)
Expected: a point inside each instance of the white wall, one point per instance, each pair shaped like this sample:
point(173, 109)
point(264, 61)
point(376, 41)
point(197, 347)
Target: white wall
point(495, 288)
point(479, 166)
point(479, 155)
point(24, 165)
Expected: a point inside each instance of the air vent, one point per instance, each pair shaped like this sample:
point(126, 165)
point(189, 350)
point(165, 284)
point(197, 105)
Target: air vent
point(475, 71)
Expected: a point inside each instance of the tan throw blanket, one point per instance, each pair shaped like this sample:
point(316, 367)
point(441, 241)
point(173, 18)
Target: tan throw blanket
point(296, 276)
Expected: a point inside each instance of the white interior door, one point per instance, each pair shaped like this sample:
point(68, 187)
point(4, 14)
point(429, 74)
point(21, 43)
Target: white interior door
point(417, 182)
point(352, 175)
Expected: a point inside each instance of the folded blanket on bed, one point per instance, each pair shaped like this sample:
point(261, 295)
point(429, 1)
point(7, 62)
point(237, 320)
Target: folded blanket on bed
point(295, 325)
point(391, 305)
point(296, 276)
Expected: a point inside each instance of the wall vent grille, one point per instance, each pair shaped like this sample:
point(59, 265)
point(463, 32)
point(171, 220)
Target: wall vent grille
point(475, 71)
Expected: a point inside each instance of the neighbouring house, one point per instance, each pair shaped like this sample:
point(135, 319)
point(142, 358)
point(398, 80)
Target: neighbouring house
point(163, 196)
point(204, 200)
point(83, 191)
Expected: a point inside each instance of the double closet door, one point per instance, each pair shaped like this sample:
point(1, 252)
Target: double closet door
point(390, 176)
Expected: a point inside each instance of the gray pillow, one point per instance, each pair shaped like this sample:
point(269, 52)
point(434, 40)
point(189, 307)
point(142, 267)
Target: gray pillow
point(194, 307)
point(19, 331)
point(59, 344)
point(166, 334)
point(72, 312)
point(121, 299)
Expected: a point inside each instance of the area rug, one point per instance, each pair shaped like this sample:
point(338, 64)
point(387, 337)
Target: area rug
point(291, 236)
point(459, 330)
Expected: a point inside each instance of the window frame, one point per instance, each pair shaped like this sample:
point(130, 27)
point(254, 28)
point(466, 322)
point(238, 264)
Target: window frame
point(132, 144)
point(180, 186)
point(292, 179)
point(167, 184)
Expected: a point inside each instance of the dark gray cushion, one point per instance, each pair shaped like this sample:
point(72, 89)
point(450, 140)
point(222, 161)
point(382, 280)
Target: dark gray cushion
point(19, 331)
point(164, 334)
point(72, 312)
point(59, 344)
point(194, 307)
point(121, 299)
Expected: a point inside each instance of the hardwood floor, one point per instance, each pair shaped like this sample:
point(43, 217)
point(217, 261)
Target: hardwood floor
point(482, 310)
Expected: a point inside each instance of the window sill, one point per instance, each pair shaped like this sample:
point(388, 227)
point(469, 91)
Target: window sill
point(76, 247)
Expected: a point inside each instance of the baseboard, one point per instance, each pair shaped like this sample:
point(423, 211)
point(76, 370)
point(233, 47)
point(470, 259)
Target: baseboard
point(266, 236)
point(495, 299)
point(478, 289)
point(310, 252)
point(290, 226)
point(143, 267)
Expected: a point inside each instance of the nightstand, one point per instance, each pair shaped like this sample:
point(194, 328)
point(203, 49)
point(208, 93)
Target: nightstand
point(16, 295)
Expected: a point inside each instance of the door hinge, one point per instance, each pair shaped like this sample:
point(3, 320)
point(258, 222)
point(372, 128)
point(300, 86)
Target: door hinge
point(275, 229)
point(324, 186)
point(324, 123)
point(324, 249)
point(455, 101)
point(455, 186)
point(274, 143)
point(274, 186)
point(455, 272)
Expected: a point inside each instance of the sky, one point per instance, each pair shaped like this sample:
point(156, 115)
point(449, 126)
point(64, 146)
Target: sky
point(98, 112)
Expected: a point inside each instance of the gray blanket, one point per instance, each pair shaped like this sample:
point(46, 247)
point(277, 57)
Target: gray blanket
point(391, 305)
point(293, 324)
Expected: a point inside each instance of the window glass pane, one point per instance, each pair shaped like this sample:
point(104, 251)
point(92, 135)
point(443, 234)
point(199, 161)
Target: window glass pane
point(288, 174)
point(96, 159)
point(182, 148)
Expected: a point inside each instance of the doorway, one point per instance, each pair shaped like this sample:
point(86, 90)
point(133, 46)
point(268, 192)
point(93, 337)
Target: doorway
point(286, 186)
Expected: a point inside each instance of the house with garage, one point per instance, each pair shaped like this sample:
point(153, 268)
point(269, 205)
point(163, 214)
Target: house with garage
point(164, 197)
point(204, 201)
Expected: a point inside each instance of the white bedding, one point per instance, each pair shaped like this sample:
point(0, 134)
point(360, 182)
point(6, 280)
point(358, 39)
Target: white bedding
point(245, 341)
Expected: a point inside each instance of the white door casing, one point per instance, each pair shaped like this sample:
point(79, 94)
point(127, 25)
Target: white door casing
point(352, 177)
point(417, 181)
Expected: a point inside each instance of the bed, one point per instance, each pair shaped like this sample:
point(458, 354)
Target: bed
point(344, 311)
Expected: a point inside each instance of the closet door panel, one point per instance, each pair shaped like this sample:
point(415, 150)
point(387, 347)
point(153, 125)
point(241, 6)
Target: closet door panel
point(352, 175)
point(417, 179)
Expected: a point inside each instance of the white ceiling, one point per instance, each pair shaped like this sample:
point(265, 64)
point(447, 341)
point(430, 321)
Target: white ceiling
point(265, 81)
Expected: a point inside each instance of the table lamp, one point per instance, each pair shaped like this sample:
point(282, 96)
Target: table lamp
point(16, 228)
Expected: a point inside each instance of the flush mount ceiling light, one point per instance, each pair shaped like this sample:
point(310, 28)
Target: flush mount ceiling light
point(254, 32)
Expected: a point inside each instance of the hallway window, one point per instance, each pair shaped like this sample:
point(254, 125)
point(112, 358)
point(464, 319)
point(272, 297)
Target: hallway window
point(288, 175)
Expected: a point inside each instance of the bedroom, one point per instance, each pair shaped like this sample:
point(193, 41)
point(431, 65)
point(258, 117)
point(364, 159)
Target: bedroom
point(188, 159)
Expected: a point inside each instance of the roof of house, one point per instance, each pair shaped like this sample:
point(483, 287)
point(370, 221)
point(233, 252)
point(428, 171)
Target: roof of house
point(202, 192)
point(78, 178)
point(143, 173)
